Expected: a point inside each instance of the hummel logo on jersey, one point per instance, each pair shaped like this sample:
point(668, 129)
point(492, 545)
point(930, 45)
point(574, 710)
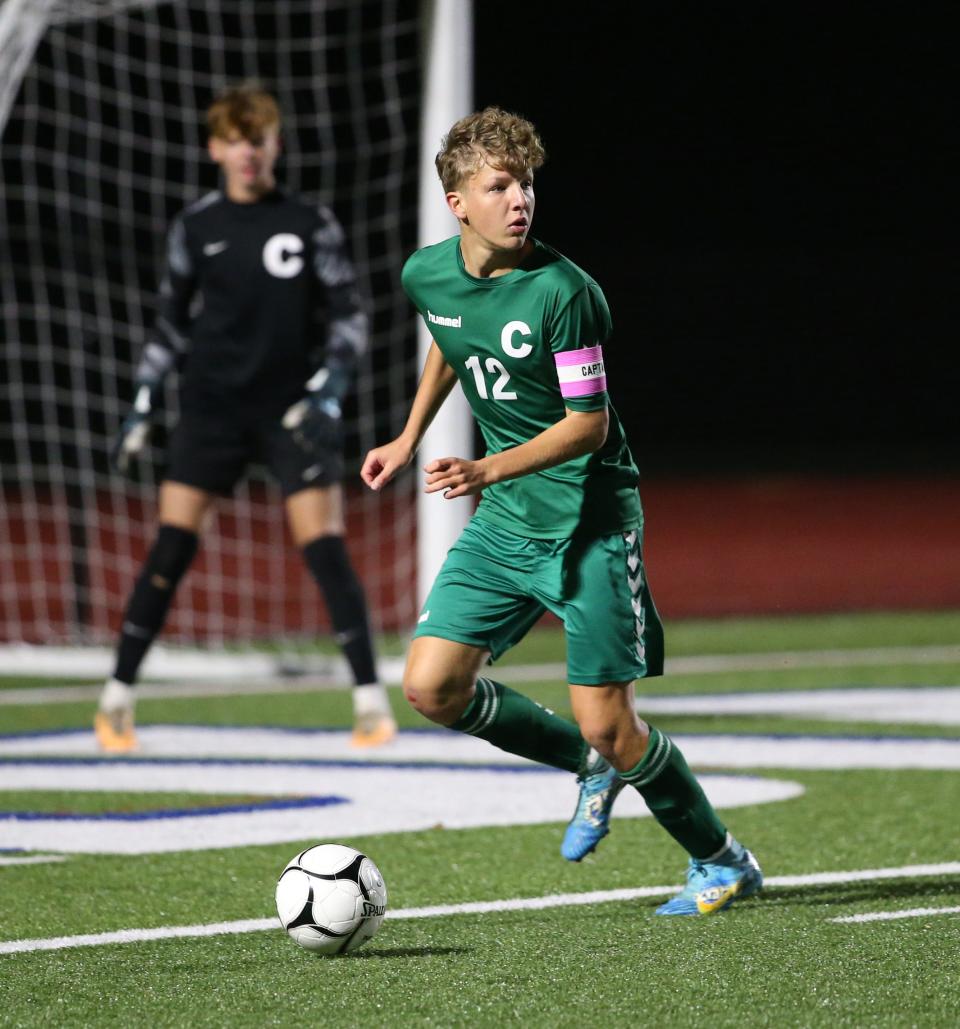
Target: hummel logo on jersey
point(210, 249)
point(439, 319)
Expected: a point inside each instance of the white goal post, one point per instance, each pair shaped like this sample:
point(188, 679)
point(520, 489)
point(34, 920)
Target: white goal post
point(448, 95)
point(101, 142)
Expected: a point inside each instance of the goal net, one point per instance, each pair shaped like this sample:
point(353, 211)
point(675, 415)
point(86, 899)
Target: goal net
point(102, 141)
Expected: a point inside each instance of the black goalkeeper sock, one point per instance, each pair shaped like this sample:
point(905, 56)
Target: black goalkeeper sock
point(171, 555)
point(329, 563)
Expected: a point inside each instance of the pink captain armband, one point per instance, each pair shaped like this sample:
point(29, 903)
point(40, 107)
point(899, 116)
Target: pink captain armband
point(581, 372)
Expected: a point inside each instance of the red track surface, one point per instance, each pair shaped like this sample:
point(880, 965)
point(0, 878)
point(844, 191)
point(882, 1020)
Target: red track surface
point(713, 547)
point(802, 544)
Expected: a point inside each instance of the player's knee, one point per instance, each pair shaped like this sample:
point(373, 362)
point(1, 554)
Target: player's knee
point(171, 555)
point(433, 700)
point(600, 735)
point(437, 696)
point(614, 739)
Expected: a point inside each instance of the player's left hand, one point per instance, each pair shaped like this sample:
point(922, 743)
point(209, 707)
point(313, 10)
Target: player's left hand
point(135, 431)
point(456, 477)
point(130, 440)
point(316, 423)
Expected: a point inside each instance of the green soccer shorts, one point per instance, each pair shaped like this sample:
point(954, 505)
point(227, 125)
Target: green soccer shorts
point(495, 585)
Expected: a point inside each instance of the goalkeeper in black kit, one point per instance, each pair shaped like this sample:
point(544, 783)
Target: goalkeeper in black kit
point(256, 282)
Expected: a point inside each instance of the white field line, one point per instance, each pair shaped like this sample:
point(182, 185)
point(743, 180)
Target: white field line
point(392, 670)
point(31, 859)
point(478, 907)
point(865, 875)
point(72, 694)
point(170, 932)
point(889, 916)
point(812, 659)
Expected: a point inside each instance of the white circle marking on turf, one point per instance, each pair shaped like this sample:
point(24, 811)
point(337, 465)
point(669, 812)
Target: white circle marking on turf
point(918, 705)
point(441, 745)
point(389, 789)
point(374, 799)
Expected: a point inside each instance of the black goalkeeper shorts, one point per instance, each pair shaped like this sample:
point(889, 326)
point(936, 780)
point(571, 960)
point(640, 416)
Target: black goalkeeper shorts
point(212, 454)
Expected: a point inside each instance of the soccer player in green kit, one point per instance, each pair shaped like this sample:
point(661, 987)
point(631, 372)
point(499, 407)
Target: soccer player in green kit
point(559, 524)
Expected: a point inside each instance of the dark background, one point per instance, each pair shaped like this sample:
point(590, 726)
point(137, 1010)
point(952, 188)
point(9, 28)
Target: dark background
point(763, 196)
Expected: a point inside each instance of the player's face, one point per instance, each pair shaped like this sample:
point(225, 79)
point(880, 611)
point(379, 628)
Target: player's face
point(496, 206)
point(247, 163)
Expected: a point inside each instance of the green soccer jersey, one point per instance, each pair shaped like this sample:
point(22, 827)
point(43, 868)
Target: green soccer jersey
point(525, 345)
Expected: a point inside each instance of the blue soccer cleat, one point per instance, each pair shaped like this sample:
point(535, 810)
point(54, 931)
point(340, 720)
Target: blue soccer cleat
point(715, 885)
point(599, 788)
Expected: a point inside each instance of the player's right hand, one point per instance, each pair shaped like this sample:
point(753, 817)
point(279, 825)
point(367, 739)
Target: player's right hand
point(130, 440)
point(316, 423)
point(382, 463)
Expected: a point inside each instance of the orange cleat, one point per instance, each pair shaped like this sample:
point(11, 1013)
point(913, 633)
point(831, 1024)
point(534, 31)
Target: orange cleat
point(373, 729)
point(114, 731)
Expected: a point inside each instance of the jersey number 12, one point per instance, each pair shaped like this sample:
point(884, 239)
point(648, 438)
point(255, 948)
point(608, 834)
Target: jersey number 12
point(494, 367)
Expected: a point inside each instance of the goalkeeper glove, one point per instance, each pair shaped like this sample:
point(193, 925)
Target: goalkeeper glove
point(134, 431)
point(316, 422)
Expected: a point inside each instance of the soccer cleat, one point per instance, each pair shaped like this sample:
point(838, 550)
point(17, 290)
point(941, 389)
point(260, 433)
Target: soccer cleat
point(599, 788)
point(373, 729)
point(113, 724)
point(373, 723)
point(714, 885)
point(114, 731)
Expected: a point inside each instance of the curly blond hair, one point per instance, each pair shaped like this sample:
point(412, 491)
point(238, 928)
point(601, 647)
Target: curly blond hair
point(491, 136)
point(247, 109)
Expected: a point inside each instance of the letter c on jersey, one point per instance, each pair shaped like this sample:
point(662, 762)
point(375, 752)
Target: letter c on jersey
point(506, 339)
point(280, 255)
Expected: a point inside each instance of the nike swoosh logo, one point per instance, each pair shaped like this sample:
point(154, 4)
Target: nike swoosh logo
point(424, 616)
point(210, 249)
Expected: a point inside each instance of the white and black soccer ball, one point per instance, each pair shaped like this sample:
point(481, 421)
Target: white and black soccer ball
point(331, 899)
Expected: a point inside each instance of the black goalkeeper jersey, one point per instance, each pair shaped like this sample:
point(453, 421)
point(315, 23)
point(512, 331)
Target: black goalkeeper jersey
point(254, 298)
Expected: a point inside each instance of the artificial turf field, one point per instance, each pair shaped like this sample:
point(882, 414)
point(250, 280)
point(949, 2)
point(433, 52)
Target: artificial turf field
point(867, 825)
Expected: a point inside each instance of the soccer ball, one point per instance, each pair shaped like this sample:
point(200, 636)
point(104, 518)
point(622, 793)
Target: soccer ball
point(331, 899)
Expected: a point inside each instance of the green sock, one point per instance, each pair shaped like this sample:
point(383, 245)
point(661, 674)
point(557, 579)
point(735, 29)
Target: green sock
point(519, 725)
point(676, 799)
